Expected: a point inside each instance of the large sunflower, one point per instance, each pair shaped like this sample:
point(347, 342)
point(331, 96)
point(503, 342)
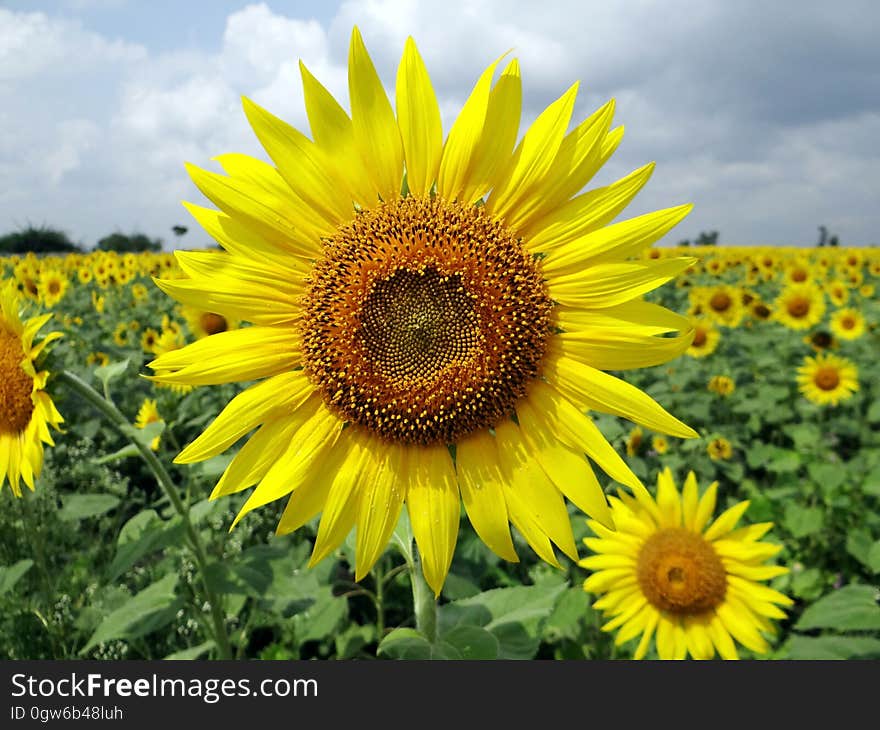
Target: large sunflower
point(26, 409)
point(431, 318)
point(667, 572)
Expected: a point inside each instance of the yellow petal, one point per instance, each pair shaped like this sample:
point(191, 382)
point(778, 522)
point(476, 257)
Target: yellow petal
point(463, 139)
point(567, 468)
point(592, 389)
point(303, 165)
point(380, 500)
point(480, 479)
point(668, 500)
point(434, 508)
point(492, 153)
point(244, 354)
point(533, 488)
point(533, 160)
point(334, 135)
point(689, 501)
point(586, 213)
point(375, 130)
point(726, 521)
point(259, 403)
point(620, 349)
point(609, 284)
point(418, 116)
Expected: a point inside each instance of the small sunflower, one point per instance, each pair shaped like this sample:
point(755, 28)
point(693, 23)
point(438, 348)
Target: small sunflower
point(723, 305)
point(634, 441)
point(149, 338)
point(53, 286)
point(759, 310)
point(827, 379)
point(204, 324)
point(26, 409)
point(722, 385)
point(706, 338)
point(149, 413)
point(800, 306)
point(664, 573)
point(838, 292)
point(122, 335)
point(719, 449)
point(820, 341)
point(660, 444)
point(98, 358)
point(847, 324)
point(473, 303)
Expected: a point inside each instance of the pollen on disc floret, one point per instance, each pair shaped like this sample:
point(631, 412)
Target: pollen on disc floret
point(424, 320)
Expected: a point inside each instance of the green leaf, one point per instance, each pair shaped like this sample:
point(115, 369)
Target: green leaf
point(457, 587)
point(807, 584)
point(802, 521)
point(871, 485)
point(411, 644)
point(350, 642)
point(472, 642)
point(11, 574)
point(858, 544)
point(567, 619)
point(805, 435)
point(873, 414)
point(143, 534)
point(851, 608)
point(82, 506)
point(515, 616)
point(194, 652)
point(873, 559)
point(321, 619)
point(833, 647)
point(827, 476)
point(108, 373)
point(145, 612)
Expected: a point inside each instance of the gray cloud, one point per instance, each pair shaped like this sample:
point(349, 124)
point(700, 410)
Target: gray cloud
point(765, 115)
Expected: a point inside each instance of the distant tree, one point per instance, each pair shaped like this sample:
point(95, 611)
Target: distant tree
point(39, 240)
point(706, 238)
point(179, 230)
point(125, 243)
point(825, 239)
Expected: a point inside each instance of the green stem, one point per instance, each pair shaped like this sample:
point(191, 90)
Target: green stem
point(163, 478)
point(379, 575)
point(424, 604)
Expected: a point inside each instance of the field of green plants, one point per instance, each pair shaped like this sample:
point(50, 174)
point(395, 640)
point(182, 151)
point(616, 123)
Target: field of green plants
point(99, 562)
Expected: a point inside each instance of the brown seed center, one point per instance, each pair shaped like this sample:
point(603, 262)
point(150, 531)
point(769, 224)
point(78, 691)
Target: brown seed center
point(424, 321)
point(699, 337)
point(826, 378)
point(798, 306)
point(720, 302)
point(680, 572)
point(213, 323)
point(16, 386)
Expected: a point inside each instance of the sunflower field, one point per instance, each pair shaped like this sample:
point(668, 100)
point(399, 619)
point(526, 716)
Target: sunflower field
point(101, 558)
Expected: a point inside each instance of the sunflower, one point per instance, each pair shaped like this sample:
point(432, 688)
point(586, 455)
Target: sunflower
point(706, 337)
point(759, 310)
point(798, 271)
point(634, 441)
point(468, 307)
point(53, 286)
point(847, 324)
point(660, 444)
point(664, 573)
point(149, 338)
point(723, 305)
point(719, 449)
point(820, 340)
point(722, 385)
point(98, 358)
point(204, 324)
point(800, 306)
point(26, 409)
point(827, 379)
point(149, 413)
point(838, 292)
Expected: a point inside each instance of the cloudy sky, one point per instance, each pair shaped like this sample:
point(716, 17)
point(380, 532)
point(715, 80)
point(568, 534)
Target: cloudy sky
point(765, 115)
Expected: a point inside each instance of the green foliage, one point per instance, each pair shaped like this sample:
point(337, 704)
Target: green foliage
point(37, 240)
point(124, 243)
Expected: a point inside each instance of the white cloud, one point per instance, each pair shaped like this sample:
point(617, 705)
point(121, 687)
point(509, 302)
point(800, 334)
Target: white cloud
point(96, 129)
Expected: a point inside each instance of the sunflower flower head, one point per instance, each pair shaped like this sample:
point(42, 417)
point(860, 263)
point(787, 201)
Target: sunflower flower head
point(430, 320)
point(827, 379)
point(668, 573)
point(26, 409)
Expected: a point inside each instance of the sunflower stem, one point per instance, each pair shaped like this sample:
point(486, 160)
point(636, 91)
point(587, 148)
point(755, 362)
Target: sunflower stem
point(424, 604)
point(166, 483)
